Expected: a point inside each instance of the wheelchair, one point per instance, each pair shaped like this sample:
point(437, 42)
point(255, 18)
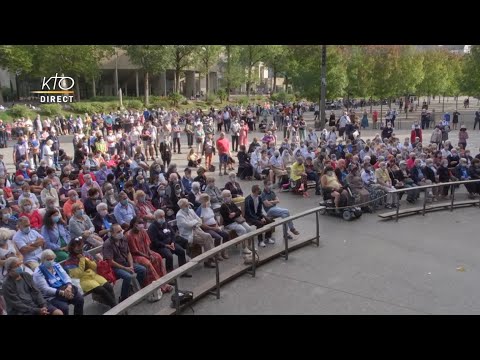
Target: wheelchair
point(349, 211)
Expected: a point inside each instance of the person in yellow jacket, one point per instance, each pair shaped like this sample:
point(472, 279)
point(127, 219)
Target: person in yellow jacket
point(299, 175)
point(80, 265)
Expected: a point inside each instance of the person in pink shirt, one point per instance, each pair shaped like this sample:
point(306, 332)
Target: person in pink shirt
point(243, 133)
point(223, 147)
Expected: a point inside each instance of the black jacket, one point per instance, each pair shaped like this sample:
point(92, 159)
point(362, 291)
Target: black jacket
point(98, 222)
point(225, 211)
point(160, 235)
point(250, 212)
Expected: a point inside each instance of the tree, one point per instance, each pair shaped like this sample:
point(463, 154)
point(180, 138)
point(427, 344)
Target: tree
point(455, 65)
point(435, 80)
point(208, 55)
point(250, 56)
point(153, 59)
point(235, 72)
point(276, 58)
point(75, 61)
point(359, 72)
point(17, 59)
point(384, 68)
point(471, 72)
point(183, 56)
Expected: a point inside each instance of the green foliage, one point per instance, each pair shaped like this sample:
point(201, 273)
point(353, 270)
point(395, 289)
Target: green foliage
point(283, 97)
point(159, 102)
point(176, 98)
point(133, 104)
point(83, 107)
point(435, 81)
point(51, 109)
point(471, 72)
point(19, 111)
point(222, 95)
point(244, 100)
point(210, 99)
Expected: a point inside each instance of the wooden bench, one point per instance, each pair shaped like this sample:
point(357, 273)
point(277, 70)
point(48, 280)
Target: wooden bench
point(428, 208)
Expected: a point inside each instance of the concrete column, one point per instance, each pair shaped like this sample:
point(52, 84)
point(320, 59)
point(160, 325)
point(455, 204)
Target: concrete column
point(94, 89)
point(156, 84)
point(189, 84)
point(126, 89)
point(137, 91)
point(163, 84)
point(213, 82)
point(115, 82)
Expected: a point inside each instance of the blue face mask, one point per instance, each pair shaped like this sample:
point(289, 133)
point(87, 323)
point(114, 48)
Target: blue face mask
point(26, 230)
point(19, 270)
point(48, 263)
point(79, 212)
point(161, 221)
point(124, 202)
point(56, 219)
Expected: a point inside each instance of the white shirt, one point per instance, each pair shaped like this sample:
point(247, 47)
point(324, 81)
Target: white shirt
point(208, 216)
point(276, 161)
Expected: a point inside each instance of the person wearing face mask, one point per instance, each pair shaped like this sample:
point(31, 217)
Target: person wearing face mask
point(81, 265)
point(331, 186)
point(22, 170)
point(213, 191)
point(103, 221)
point(67, 172)
point(29, 242)
point(56, 286)
point(27, 209)
point(143, 185)
point(116, 252)
point(91, 203)
point(254, 215)
point(72, 200)
point(20, 151)
point(109, 197)
point(299, 176)
point(144, 208)
point(462, 172)
point(166, 243)
point(234, 187)
point(22, 296)
point(26, 194)
point(56, 234)
point(63, 193)
point(89, 183)
point(188, 224)
point(49, 191)
point(8, 249)
point(474, 171)
point(8, 221)
point(81, 225)
point(139, 246)
point(124, 211)
point(384, 182)
point(36, 185)
point(102, 174)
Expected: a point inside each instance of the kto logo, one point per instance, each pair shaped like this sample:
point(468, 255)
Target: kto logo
point(50, 86)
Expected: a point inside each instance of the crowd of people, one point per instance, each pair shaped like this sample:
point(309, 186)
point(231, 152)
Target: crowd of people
point(122, 193)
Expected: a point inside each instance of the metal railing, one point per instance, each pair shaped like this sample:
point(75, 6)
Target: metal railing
point(451, 184)
point(141, 295)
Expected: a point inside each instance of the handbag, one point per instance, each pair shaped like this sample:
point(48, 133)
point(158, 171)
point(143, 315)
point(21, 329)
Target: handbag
point(248, 258)
point(105, 270)
point(240, 219)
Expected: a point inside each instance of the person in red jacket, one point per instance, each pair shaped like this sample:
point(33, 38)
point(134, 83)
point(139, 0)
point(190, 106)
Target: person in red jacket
point(416, 132)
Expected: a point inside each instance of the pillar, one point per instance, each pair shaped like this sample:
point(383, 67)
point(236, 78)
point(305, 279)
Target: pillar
point(190, 84)
point(163, 83)
point(137, 91)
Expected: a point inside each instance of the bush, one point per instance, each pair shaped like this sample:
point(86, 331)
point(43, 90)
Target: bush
point(159, 102)
point(210, 99)
point(133, 104)
point(19, 111)
point(283, 97)
point(222, 95)
point(51, 110)
point(244, 100)
point(176, 98)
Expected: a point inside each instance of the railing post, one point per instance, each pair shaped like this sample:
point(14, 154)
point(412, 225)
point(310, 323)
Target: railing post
point(398, 206)
point(317, 217)
point(254, 258)
point(453, 197)
point(217, 277)
point(285, 239)
point(177, 299)
point(425, 201)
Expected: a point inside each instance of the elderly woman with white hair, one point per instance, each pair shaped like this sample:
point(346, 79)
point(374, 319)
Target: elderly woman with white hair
point(194, 196)
point(55, 284)
point(232, 216)
point(47, 153)
point(103, 221)
point(188, 224)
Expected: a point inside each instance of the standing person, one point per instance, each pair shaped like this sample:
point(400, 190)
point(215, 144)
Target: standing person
point(455, 116)
point(190, 131)
point(302, 125)
point(243, 134)
point(364, 122)
point(235, 130)
point(223, 148)
point(20, 151)
point(176, 132)
point(477, 119)
point(375, 118)
point(462, 137)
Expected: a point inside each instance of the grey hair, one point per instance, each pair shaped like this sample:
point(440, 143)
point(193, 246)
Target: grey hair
point(195, 185)
point(158, 212)
point(10, 262)
point(102, 206)
point(226, 193)
point(182, 202)
point(46, 253)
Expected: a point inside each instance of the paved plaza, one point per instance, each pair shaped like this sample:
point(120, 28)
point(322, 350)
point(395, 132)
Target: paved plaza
point(366, 266)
